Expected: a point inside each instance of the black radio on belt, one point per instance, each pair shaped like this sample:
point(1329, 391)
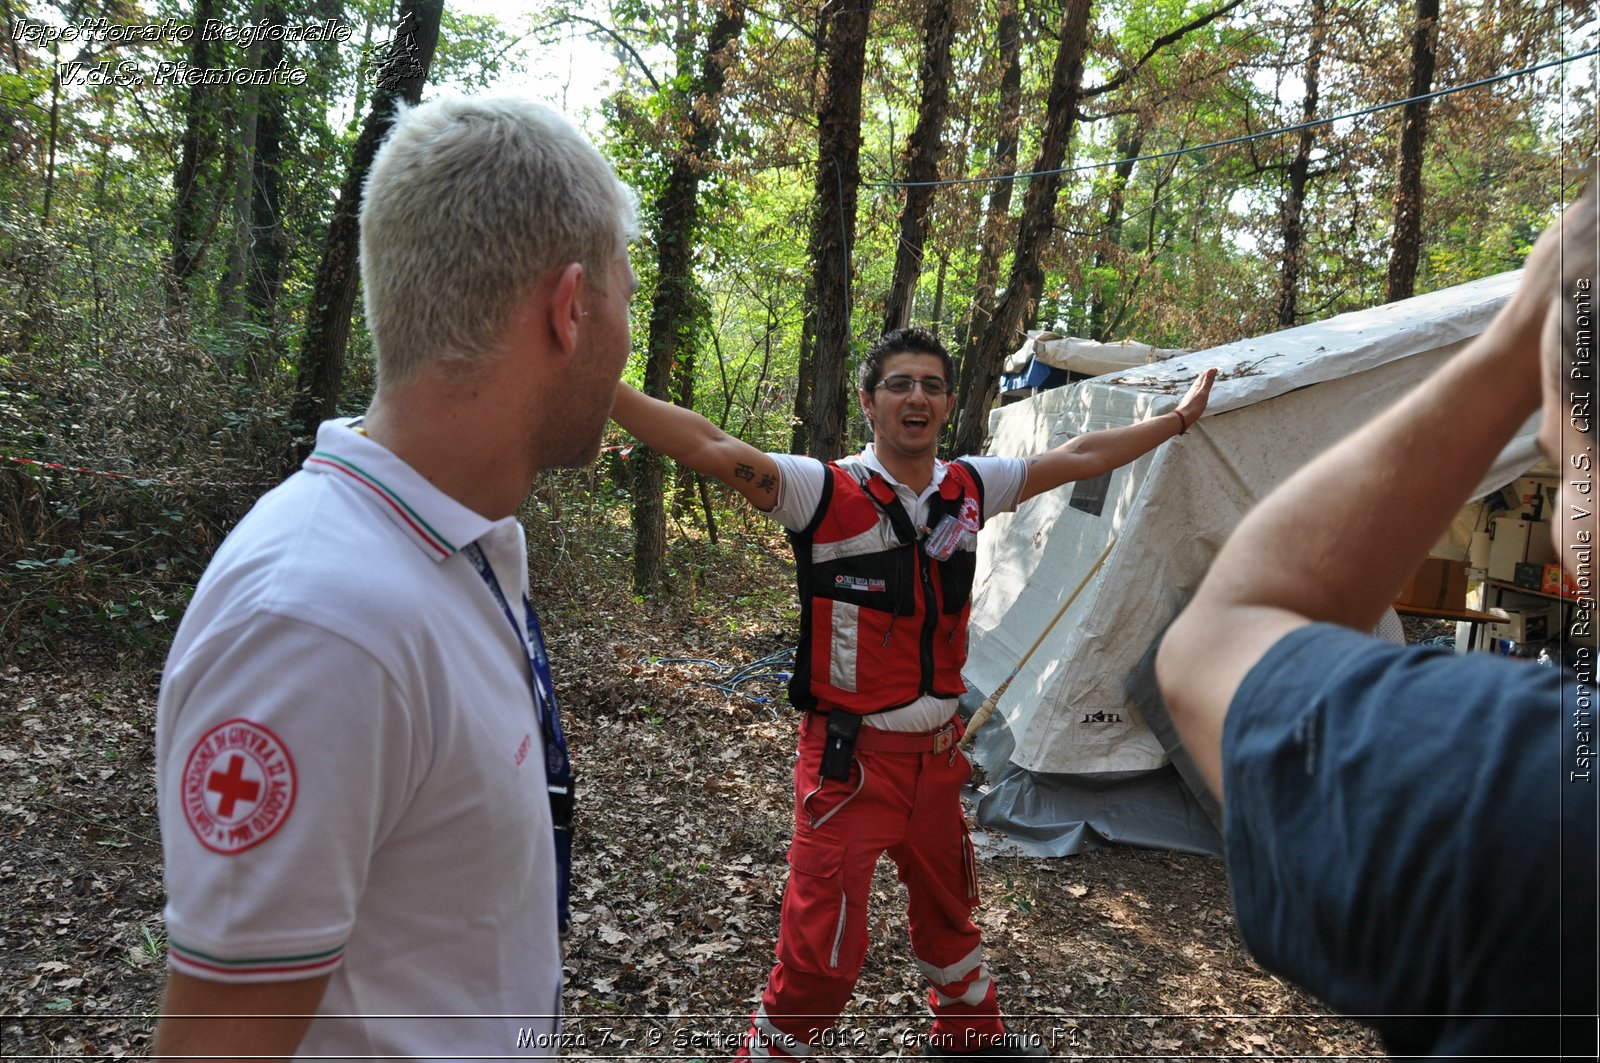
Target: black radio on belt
point(840, 748)
point(562, 800)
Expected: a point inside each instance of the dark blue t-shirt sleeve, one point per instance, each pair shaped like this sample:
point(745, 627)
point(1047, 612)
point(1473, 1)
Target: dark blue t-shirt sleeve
point(1394, 831)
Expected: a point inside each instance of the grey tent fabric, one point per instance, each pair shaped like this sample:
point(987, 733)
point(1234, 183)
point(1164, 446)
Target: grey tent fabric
point(1062, 815)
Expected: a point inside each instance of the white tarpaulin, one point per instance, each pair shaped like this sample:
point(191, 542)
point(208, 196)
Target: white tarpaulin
point(1279, 401)
point(1088, 357)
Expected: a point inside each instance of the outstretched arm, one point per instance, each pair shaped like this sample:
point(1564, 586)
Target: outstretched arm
point(694, 442)
point(1097, 453)
point(1318, 550)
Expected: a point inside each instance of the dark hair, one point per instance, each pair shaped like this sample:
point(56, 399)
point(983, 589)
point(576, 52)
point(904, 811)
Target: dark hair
point(903, 341)
point(1580, 274)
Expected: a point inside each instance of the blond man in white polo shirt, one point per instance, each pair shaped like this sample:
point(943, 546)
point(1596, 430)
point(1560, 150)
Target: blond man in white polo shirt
point(360, 770)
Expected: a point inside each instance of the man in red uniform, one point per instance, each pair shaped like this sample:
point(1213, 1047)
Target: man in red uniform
point(884, 543)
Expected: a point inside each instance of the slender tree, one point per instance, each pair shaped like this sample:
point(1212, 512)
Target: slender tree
point(805, 384)
point(1004, 326)
point(674, 313)
point(924, 150)
point(1129, 140)
point(833, 220)
point(246, 123)
point(997, 216)
point(190, 201)
point(269, 260)
point(1038, 221)
point(322, 351)
point(1292, 218)
point(1405, 248)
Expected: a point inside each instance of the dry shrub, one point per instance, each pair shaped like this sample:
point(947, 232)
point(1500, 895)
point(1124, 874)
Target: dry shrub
point(112, 377)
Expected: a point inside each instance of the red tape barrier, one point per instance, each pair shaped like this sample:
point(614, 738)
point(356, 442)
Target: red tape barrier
point(144, 481)
point(137, 481)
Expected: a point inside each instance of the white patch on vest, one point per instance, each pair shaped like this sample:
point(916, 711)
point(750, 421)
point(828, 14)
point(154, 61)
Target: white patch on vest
point(846, 629)
point(860, 583)
point(874, 540)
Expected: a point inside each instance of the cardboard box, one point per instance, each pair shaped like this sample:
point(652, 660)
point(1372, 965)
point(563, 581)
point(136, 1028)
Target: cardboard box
point(1558, 580)
point(1439, 583)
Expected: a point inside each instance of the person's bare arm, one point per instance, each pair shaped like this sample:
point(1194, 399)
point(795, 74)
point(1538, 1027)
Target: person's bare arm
point(1336, 542)
point(692, 441)
point(255, 1020)
point(1097, 453)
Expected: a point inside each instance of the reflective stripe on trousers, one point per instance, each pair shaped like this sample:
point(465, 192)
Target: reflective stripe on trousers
point(907, 805)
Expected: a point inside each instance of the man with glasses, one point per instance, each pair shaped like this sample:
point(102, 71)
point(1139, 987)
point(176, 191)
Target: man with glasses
point(885, 547)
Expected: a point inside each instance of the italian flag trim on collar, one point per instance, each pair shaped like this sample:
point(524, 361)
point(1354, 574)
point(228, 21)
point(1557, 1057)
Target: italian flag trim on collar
point(306, 965)
point(410, 517)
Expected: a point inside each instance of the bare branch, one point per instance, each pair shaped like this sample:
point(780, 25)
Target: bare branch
point(1156, 46)
point(600, 26)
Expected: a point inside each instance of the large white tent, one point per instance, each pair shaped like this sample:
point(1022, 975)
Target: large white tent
point(1084, 762)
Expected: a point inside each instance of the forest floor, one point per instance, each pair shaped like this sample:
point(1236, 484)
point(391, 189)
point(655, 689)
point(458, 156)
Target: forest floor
point(1119, 953)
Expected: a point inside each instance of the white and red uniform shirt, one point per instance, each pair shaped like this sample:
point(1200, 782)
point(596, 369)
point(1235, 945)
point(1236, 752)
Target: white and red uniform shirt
point(800, 490)
point(350, 772)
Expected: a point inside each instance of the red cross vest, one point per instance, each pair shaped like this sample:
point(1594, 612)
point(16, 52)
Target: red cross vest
point(882, 622)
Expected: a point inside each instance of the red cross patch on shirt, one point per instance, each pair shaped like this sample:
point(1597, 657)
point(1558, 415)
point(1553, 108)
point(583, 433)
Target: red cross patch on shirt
point(238, 786)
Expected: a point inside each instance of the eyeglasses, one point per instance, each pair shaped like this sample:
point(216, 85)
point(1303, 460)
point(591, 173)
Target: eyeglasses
point(932, 386)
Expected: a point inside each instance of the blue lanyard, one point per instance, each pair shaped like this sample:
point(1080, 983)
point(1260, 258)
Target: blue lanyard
point(558, 768)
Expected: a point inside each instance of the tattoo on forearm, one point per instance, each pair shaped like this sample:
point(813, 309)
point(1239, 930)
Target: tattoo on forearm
point(744, 472)
point(767, 483)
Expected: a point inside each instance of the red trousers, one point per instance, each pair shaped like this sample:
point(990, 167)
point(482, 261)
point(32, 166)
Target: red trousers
point(904, 799)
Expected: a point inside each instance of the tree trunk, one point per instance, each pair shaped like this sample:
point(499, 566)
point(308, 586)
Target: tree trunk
point(1294, 237)
point(55, 135)
point(834, 219)
point(800, 425)
point(1405, 249)
point(247, 121)
point(1004, 328)
point(188, 202)
point(997, 218)
point(1129, 144)
point(267, 273)
point(333, 296)
point(925, 150)
point(800, 432)
point(683, 372)
point(675, 307)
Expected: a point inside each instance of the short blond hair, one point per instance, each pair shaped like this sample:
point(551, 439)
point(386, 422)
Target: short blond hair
point(468, 203)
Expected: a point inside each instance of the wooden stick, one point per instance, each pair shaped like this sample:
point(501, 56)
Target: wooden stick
point(986, 710)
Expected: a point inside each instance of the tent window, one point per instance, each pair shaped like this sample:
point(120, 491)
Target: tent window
point(1090, 495)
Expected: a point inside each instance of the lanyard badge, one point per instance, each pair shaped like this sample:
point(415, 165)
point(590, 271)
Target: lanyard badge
point(557, 767)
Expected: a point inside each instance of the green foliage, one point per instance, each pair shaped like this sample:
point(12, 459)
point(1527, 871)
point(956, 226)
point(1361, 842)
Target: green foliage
point(471, 51)
point(97, 373)
point(103, 365)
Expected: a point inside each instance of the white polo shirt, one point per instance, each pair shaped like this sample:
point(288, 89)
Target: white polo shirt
point(350, 771)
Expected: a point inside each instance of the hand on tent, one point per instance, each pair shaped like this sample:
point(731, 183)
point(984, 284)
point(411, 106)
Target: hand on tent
point(1517, 327)
point(1193, 403)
